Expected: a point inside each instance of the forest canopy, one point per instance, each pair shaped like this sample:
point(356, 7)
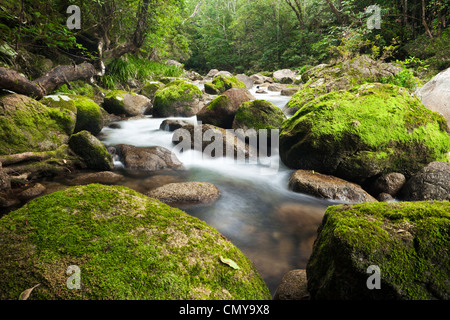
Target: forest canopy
point(242, 36)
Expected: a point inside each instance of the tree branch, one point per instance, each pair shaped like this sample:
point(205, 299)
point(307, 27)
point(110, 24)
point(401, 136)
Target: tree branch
point(52, 80)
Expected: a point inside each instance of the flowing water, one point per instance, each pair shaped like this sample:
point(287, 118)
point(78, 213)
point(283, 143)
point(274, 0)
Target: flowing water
point(273, 226)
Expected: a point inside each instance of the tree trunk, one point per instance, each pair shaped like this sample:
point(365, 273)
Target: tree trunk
point(52, 80)
point(137, 39)
point(335, 11)
point(424, 21)
point(297, 8)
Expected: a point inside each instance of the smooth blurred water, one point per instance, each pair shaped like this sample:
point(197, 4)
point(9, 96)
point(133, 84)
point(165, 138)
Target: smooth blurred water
point(273, 226)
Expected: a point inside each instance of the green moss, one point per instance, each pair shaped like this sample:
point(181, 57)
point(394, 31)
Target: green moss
point(304, 95)
point(409, 242)
point(89, 115)
point(78, 88)
point(371, 118)
point(115, 94)
point(222, 83)
point(173, 96)
point(127, 246)
point(209, 88)
point(149, 89)
point(259, 114)
point(28, 125)
point(91, 150)
point(60, 101)
point(114, 101)
point(219, 102)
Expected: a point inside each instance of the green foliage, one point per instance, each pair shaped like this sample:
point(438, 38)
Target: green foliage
point(133, 67)
point(406, 77)
point(36, 23)
point(254, 36)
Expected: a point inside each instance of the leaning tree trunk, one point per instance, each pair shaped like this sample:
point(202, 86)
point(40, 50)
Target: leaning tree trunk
point(52, 80)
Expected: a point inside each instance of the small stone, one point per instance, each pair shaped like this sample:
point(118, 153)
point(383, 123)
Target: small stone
point(186, 193)
point(104, 177)
point(385, 197)
point(328, 187)
point(33, 191)
point(294, 286)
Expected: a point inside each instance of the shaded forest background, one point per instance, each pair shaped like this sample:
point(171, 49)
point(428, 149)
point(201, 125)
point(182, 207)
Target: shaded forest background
point(126, 38)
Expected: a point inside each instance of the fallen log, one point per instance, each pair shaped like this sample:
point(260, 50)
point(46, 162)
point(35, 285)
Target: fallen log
point(52, 80)
point(7, 160)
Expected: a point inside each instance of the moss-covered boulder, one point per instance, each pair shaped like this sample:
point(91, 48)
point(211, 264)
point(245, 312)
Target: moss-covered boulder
point(149, 89)
point(28, 125)
point(88, 113)
point(123, 245)
point(177, 99)
point(408, 242)
point(326, 78)
point(221, 111)
point(91, 150)
point(364, 132)
point(125, 103)
point(222, 83)
point(258, 114)
point(81, 88)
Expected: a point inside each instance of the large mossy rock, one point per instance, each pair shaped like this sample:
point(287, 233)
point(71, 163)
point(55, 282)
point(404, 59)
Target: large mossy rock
point(325, 78)
point(88, 113)
point(28, 125)
point(407, 241)
point(222, 83)
point(258, 114)
point(125, 103)
point(126, 246)
point(370, 130)
point(149, 89)
point(91, 150)
point(177, 99)
point(221, 111)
